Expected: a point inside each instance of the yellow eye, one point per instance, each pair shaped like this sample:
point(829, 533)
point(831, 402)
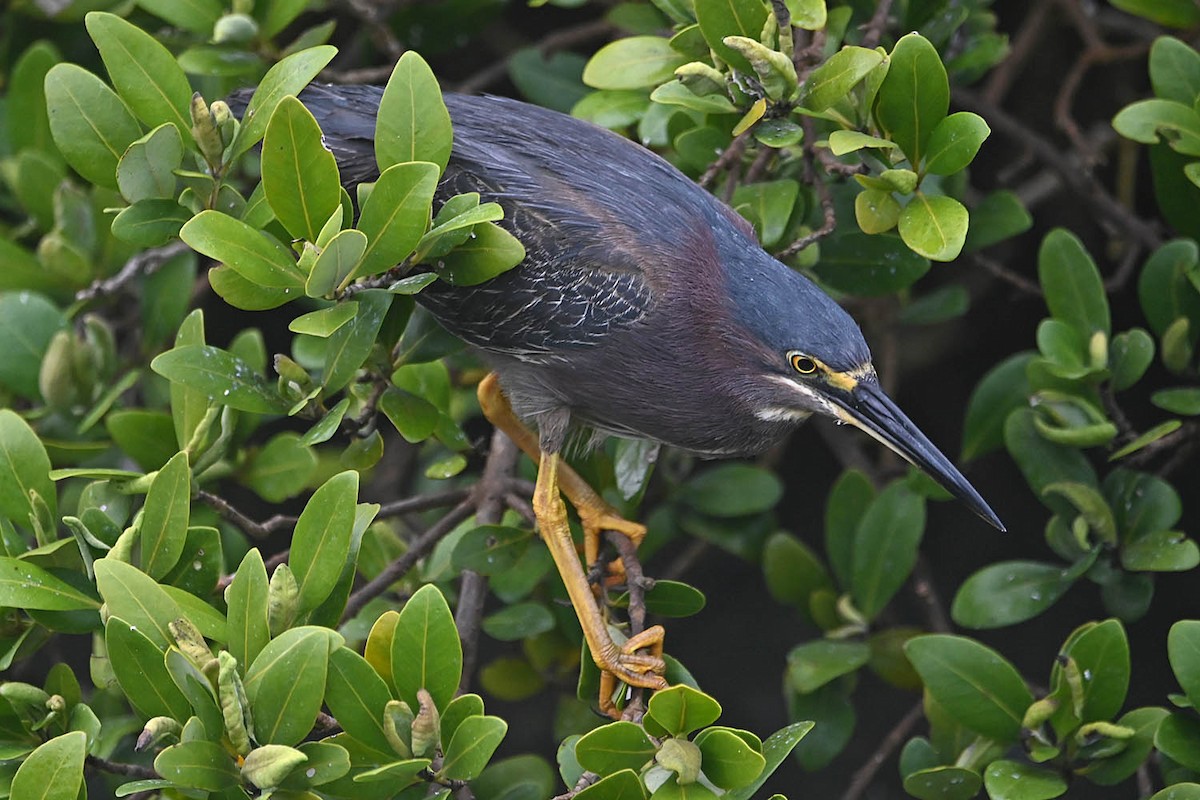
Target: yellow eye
point(803, 364)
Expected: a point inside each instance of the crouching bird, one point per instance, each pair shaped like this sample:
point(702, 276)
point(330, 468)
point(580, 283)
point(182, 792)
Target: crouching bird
point(644, 308)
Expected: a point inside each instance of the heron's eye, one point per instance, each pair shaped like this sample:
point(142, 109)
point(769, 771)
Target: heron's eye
point(803, 364)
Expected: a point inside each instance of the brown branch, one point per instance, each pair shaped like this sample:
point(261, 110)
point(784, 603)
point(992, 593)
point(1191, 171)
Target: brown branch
point(727, 158)
point(230, 513)
point(1023, 45)
point(119, 768)
point(423, 502)
point(866, 773)
point(873, 30)
point(1008, 276)
point(417, 550)
point(552, 43)
point(473, 587)
point(922, 585)
point(140, 264)
point(1083, 184)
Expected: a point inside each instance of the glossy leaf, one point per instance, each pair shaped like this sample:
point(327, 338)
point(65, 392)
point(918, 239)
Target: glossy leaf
point(91, 125)
point(146, 170)
point(1183, 650)
point(1074, 291)
point(869, 265)
point(54, 771)
point(733, 490)
point(474, 742)
point(338, 260)
point(24, 468)
point(792, 570)
point(777, 747)
point(396, 215)
point(614, 747)
point(28, 322)
point(26, 585)
point(165, 517)
point(934, 226)
point(426, 652)
point(287, 77)
point(1174, 70)
point(490, 251)
point(349, 346)
point(997, 217)
point(973, 683)
point(943, 783)
point(721, 18)
point(727, 760)
point(518, 621)
point(680, 710)
point(1164, 290)
point(198, 764)
point(285, 684)
point(247, 599)
point(1178, 738)
point(133, 596)
point(282, 468)
point(258, 258)
point(144, 72)
point(954, 142)
point(299, 175)
point(356, 696)
point(413, 123)
point(814, 664)
point(914, 97)
point(633, 62)
point(321, 540)
point(885, 547)
point(222, 376)
point(621, 785)
point(1008, 592)
point(138, 666)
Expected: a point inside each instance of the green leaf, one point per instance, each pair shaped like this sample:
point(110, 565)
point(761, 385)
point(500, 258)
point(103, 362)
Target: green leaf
point(396, 215)
point(490, 251)
point(138, 666)
point(91, 125)
point(144, 72)
point(287, 77)
point(633, 62)
point(1001, 391)
point(150, 223)
point(286, 683)
point(843, 142)
point(1009, 592)
point(885, 547)
point(282, 468)
point(1174, 70)
point(321, 540)
point(426, 652)
point(490, 549)
point(775, 749)
point(28, 322)
point(134, 596)
point(954, 143)
point(1183, 650)
point(934, 226)
point(973, 683)
point(1149, 437)
point(518, 621)
point(54, 771)
point(1178, 738)
point(728, 760)
point(472, 746)
point(792, 570)
point(1175, 14)
point(943, 783)
point(553, 80)
point(146, 171)
point(1178, 401)
point(356, 696)
point(1120, 767)
point(914, 96)
point(28, 126)
point(257, 257)
point(1102, 654)
point(165, 517)
point(614, 747)
point(1160, 551)
point(831, 82)
point(24, 468)
point(413, 123)
point(768, 205)
point(681, 709)
point(721, 18)
point(247, 601)
point(299, 175)
point(350, 344)
point(733, 490)
point(198, 764)
point(997, 217)
point(670, 599)
point(868, 265)
point(814, 664)
point(1043, 462)
point(1129, 356)
point(1074, 290)
point(612, 109)
point(26, 585)
point(222, 376)
point(622, 785)
point(336, 263)
point(197, 16)
point(1145, 120)
point(1163, 286)
point(876, 211)
point(849, 499)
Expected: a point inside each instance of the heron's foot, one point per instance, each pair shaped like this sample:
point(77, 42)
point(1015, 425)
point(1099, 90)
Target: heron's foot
point(596, 520)
point(624, 663)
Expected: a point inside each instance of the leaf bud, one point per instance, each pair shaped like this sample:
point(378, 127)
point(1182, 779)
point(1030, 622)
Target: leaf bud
point(283, 600)
point(426, 727)
point(397, 727)
point(681, 757)
point(159, 732)
point(268, 765)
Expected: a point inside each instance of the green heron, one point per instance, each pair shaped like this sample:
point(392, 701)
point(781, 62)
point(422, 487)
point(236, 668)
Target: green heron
point(644, 308)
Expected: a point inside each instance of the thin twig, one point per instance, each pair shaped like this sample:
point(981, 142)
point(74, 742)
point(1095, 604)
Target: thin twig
point(423, 502)
point(873, 30)
point(560, 39)
point(252, 528)
point(1005, 274)
point(727, 158)
point(143, 263)
point(922, 584)
point(119, 768)
point(417, 550)
point(866, 773)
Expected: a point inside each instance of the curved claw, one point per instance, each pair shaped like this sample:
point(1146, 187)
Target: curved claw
point(624, 663)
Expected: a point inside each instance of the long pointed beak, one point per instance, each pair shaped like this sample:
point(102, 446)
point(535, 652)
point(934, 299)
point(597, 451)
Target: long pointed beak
point(867, 407)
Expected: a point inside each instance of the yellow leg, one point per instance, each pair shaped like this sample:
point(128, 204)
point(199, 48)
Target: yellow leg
point(596, 515)
point(623, 662)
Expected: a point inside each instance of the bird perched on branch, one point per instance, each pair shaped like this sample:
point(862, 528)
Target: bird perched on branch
point(644, 308)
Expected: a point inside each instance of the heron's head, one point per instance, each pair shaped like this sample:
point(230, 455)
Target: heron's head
point(812, 358)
